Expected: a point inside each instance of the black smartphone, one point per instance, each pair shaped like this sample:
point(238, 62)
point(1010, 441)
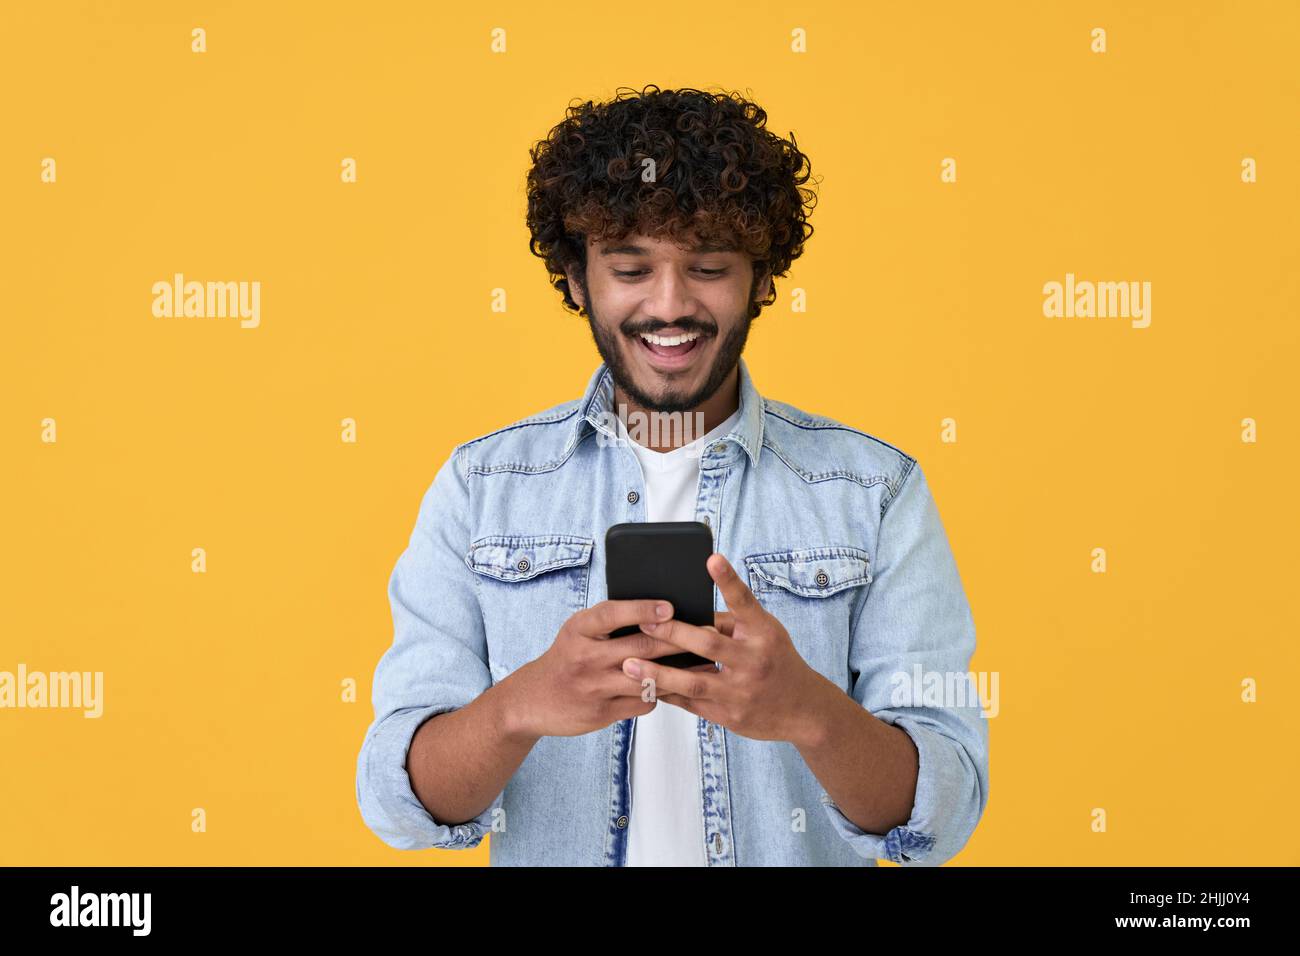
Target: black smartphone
point(666, 560)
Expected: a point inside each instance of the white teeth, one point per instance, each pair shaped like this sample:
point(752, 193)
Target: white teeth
point(674, 340)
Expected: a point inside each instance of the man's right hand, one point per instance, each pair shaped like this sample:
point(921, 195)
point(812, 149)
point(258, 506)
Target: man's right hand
point(578, 685)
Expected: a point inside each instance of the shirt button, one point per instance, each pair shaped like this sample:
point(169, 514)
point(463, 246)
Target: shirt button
point(523, 564)
point(621, 822)
point(710, 732)
point(720, 447)
point(706, 519)
point(717, 842)
point(633, 497)
point(822, 578)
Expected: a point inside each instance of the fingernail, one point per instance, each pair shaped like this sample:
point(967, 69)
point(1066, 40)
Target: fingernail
point(632, 667)
point(650, 628)
point(662, 611)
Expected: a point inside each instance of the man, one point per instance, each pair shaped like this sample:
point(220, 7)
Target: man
point(503, 705)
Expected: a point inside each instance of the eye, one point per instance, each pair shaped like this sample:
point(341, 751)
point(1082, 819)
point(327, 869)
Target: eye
point(633, 273)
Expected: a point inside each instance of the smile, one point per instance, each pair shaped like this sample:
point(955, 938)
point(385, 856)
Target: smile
point(670, 340)
point(667, 353)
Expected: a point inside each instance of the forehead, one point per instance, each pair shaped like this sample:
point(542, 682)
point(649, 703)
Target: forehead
point(636, 244)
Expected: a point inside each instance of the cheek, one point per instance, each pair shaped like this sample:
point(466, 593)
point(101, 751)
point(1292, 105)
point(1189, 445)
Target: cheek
point(726, 299)
point(613, 304)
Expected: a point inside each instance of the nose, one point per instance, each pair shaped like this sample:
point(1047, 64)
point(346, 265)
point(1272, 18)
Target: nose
point(669, 297)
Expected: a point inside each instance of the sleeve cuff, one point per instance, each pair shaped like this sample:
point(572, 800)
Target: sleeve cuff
point(388, 804)
point(942, 785)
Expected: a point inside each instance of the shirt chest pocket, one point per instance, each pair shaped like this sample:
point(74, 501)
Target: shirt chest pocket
point(528, 586)
point(813, 592)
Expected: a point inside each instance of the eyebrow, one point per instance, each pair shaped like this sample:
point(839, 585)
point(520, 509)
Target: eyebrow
point(634, 250)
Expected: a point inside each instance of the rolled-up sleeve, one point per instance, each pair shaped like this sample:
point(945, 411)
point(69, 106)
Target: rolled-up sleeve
point(437, 663)
point(911, 650)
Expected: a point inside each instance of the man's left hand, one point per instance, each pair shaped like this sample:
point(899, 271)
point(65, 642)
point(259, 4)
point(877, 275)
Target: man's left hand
point(765, 690)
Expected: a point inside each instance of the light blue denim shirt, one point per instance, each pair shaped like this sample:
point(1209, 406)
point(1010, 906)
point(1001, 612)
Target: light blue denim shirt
point(839, 538)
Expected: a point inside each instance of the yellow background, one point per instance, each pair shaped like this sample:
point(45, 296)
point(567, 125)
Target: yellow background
point(222, 690)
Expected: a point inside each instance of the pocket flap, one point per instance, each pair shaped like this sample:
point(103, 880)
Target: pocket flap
point(520, 557)
point(811, 572)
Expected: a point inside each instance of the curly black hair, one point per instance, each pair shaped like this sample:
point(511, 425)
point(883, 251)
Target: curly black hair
point(719, 175)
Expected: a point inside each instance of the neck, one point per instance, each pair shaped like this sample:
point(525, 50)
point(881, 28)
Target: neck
point(710, 413)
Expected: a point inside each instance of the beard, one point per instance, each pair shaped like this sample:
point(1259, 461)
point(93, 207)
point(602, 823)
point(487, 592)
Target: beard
point(672, 399)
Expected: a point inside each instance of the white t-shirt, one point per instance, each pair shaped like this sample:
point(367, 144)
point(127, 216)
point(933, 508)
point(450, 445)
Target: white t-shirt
point(666, 820)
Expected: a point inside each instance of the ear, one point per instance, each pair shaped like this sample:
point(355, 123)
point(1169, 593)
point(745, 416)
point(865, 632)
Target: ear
point(763, 287)
point(575, 287)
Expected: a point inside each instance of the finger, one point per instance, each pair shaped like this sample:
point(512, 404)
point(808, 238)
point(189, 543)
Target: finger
point(724, 621)
point(708, 642)
point(616, 683)
point(626, 708)
point(615, 651)
point(697, 684)
point(742, 604)
point(620, 684)
point(599, 619)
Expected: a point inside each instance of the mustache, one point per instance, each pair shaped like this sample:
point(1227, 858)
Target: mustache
point(675, 327)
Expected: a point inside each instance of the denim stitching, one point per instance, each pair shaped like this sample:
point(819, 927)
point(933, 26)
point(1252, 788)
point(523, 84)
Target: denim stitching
point(754, 564)
point(505, 571)
point(902, 841)
point(822, 424)
point(565, 411)
point(907, 473)
point(810, 477)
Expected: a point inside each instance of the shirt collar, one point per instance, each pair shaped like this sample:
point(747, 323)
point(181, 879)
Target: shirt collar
point(596, 408)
